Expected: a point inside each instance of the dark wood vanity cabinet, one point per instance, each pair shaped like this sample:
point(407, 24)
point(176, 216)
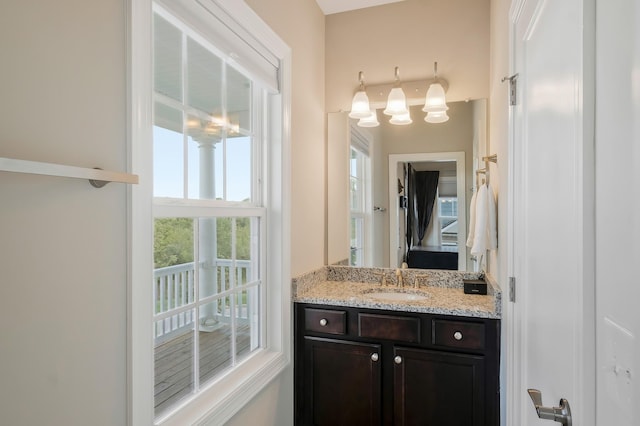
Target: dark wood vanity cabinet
point(370, 367)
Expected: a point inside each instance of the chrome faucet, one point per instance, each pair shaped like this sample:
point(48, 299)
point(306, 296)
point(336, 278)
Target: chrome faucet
point(400, 280)
point(383, 278)
point(418, 278)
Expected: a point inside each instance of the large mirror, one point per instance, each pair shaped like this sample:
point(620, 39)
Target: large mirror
point(370, 171)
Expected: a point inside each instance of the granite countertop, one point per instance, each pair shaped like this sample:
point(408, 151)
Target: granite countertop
point(346, 286)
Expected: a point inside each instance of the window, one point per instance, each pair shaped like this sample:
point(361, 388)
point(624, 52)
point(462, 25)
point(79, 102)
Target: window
point(448, 211)
point(217, 280)
point(360, 200)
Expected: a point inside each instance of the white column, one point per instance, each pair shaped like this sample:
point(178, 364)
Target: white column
point(207, 234)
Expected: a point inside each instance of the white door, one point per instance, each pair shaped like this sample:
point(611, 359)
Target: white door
point(550, 345)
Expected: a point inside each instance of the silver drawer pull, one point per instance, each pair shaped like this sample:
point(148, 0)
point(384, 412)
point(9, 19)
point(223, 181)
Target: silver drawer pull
point(398, 359)
point(374, 357)
point(323, 322)
point(457, 335)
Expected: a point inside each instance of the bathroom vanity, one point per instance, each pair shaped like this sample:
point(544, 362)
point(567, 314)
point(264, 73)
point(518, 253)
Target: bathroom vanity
point(374, 354)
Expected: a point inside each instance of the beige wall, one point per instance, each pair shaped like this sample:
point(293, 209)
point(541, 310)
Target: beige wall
point(63, 243)
point(412, 35)
point(305, 36)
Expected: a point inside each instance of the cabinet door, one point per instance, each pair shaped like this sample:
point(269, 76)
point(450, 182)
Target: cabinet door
point(342, 383)
point(438, 388)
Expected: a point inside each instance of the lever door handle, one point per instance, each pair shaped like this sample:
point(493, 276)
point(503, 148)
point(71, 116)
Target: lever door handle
point(560, 414)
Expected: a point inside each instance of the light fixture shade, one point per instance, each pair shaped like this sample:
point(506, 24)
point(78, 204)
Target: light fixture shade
point(396, 102)
point(436, 117)
point(435, 100)
point(360, 105)
point(370, 121)
point(401, 119)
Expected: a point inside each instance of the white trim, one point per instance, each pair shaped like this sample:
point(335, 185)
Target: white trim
point(221, 399)
point(459, 158)
point(139, 211)
point(204, 210)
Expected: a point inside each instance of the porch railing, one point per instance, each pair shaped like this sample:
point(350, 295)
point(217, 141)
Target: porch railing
point(173, 288)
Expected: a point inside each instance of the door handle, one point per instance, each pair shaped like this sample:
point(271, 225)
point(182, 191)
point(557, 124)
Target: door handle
point(561, 414)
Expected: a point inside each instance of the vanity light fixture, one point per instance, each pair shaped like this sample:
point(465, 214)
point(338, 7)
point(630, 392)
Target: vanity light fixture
point(397, 101)
point(401, 119)
point(436, 117)
point(435, 104)
point(360, 103)
point(370, 121)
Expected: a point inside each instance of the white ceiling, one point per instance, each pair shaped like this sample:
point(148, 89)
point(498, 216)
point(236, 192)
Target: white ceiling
point(337, 6)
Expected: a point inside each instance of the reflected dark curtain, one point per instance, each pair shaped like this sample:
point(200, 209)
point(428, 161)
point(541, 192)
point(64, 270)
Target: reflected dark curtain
point(410, 211)
point(426, 188)
point(422, 188)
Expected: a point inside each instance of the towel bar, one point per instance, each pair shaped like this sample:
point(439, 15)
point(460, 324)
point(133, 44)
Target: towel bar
point(96, 177)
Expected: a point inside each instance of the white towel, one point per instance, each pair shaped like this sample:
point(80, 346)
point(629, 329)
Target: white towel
point(480, 229)
point(492, 220)
point(472, 219)
point(485, 233)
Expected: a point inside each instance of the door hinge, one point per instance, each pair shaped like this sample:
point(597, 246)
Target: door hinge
point(513, 88)
point(512, 289)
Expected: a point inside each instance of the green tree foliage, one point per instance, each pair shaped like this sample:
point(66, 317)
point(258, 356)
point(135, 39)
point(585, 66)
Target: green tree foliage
point(243, 238)
point(173, 241)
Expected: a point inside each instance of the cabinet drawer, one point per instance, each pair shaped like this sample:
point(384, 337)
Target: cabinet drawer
point(325, 321)
point(403, 329)
point(458, 334)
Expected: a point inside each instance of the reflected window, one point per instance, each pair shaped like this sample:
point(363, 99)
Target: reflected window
point(360, 204)
point(448, 210)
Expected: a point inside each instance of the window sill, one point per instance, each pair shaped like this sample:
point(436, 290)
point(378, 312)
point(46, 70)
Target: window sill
point(226, 396)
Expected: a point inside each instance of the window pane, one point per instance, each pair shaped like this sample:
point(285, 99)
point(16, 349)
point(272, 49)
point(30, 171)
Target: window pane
point(203, 148)
point(214, 352)
point(219, 170)
point(228, 244)
point(167, 58)
point(173, 242)
point(173, 364)
point(238, 102)
point(239, 168)
point(357, 243)
point(247, 321)
point(355, 194)
point(204, 81)
point(168, 152)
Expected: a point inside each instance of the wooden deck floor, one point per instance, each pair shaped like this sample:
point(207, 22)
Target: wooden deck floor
point(174, 362)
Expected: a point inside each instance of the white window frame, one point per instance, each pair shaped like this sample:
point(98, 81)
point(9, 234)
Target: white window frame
point(225, 396)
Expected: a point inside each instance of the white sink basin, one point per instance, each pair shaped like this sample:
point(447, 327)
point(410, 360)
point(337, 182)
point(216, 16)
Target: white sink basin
point(396, 296)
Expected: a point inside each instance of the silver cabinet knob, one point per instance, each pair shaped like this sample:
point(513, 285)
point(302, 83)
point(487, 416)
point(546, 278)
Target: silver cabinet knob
point(375, 357)
point(457, 335)
point(323, 322)
point(398, 359)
